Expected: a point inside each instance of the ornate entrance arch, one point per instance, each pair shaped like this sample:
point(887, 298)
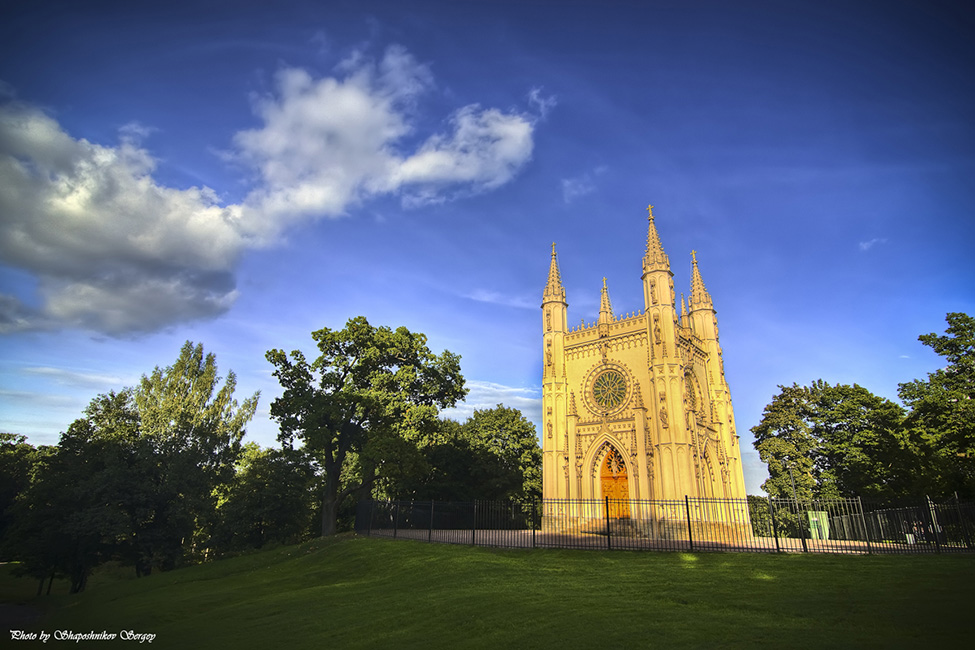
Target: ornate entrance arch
point(615, 484)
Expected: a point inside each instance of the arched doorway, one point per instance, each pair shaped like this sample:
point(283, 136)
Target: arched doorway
point(614, 483)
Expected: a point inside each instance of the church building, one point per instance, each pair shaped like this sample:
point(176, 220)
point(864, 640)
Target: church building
point(637, 406)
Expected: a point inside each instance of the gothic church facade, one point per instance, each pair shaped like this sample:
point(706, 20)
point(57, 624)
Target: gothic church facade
point(637, 406)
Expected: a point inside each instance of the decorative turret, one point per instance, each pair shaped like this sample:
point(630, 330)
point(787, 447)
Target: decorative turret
point(605, 307)
point(554, 292)
point(655, 258)
point(658, 285)
point(700, 298)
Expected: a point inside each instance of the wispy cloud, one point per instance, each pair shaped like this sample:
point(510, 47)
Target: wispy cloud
point(66, 377)
point(541, 103)
point(578, 186)
point(486, 395)
point(497, 298)
point(867, 245)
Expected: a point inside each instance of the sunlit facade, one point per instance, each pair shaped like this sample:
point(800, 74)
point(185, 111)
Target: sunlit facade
point(636, 406)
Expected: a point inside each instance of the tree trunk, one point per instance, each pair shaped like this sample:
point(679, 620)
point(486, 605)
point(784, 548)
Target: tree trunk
point(330, 505)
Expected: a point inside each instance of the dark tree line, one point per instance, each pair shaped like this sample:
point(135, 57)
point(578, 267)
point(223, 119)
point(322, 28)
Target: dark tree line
point(158, 476)
point(825, 441)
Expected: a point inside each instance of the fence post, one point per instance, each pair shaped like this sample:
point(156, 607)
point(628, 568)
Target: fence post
point(863, 520)
point(932, 511)
point(395, 518)
point(372, 511)
point(687, 508)
point(775, 530)
point(962, 523)
point(609, 542)
point(533, 522)
point(802, 529)
point(474, 525)
point(430, 534)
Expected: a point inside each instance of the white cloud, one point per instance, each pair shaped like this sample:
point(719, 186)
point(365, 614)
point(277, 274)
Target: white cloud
point(486, 395)
point(867, 245)
point(116, 252)
point(113, 250)
point(329, 144)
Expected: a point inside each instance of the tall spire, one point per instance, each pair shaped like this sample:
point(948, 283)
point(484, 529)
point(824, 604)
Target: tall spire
point(553, 289)
point(605, 307)
point(655, 259)
point(700, 298)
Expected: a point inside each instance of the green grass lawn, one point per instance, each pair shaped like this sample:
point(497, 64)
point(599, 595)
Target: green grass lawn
point(370, 593)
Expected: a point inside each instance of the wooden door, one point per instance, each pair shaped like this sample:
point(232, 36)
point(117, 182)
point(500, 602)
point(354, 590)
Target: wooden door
point(615, 485)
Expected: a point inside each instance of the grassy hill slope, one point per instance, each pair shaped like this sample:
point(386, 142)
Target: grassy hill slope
point(369, 593)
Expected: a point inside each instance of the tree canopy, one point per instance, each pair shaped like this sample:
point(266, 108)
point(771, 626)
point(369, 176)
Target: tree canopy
point(360, 405)
point(494, 455)
point(942, 409)
point(832, 441)
point(137, 478)
point(844, 441)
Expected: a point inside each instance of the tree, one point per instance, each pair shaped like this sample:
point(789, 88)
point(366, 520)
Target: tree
point(270, 501)
point(942, 409)
point(76, 512)
point(361, 404)
point(508, 436)
point(17, 459)
point(494, 455)
point(194, 429)
point(830, 441)
point(136, 479)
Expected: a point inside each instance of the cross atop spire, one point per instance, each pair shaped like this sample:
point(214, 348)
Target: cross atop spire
point(554, 291)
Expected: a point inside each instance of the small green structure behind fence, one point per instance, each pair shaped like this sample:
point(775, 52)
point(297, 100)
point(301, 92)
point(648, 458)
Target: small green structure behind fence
point(689, 524)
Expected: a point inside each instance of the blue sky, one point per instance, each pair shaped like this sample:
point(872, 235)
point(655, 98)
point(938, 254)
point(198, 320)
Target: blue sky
point(242, 176)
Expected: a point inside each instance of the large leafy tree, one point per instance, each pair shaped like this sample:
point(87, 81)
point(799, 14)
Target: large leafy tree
point(194, 427)
point(361, 405)
point(17, 460)
point(829, 441)
point(271, 500)
point(493, 455)
point(138, 477)
point(78, 510)
point(505, 434)
point(942, 409)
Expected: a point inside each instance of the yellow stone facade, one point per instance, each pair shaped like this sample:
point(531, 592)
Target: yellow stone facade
point(637, 406)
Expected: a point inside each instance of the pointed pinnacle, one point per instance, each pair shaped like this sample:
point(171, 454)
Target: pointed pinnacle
point(554, 291)
point(700, 298)
point(655, 258)
point(605, 307)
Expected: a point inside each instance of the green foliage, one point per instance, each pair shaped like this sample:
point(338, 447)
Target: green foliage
point(136, 479)
point(494, 455)
point(360, 408)
point(17, 460)
point(350, 592)
point(271, 500)
point(830, 441)
point(943, 408)
point(845, 441)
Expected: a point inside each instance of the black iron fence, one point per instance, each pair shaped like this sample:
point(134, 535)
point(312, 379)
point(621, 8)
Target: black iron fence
point(688, 524)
